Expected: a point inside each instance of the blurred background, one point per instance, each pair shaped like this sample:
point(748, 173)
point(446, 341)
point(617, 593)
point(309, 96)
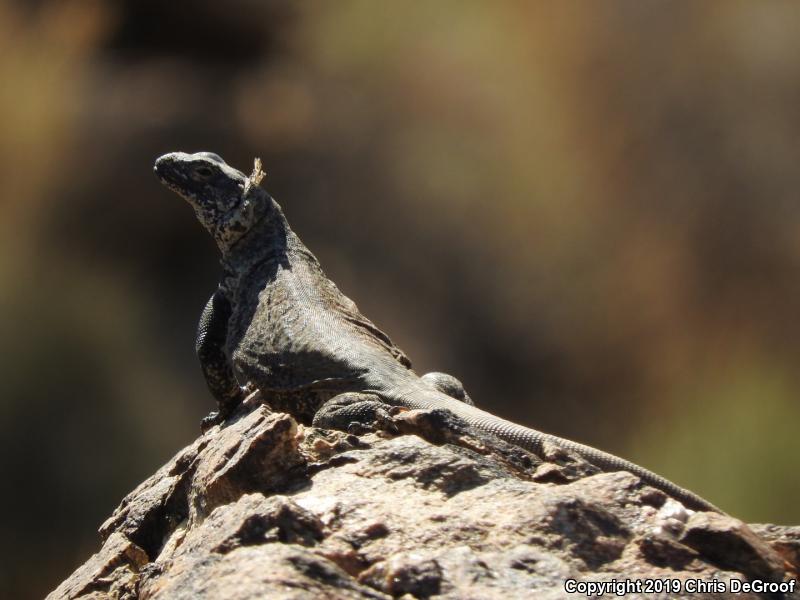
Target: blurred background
point(588, 212)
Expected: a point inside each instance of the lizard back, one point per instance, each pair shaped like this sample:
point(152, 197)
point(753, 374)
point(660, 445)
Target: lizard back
point(292, 331)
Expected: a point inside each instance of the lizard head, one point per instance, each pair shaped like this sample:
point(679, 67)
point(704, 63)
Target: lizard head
point(224, 199)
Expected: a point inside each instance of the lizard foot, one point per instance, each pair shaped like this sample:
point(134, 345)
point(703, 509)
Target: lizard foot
point(447, 384)
point(227, 408)
point(355, 412)
point(211, 419)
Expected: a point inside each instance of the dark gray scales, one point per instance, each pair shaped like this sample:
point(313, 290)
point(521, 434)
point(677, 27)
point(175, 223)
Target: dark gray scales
point(278, 325)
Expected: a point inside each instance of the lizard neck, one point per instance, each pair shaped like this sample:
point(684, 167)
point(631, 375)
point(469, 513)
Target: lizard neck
point(269, 239)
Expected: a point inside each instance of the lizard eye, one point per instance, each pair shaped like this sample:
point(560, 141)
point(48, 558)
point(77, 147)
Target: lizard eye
point(204, 171)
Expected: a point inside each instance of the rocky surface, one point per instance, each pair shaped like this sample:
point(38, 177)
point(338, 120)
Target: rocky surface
point(267, 508)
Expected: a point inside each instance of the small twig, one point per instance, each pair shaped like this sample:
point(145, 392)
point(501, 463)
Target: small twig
point(255, 177)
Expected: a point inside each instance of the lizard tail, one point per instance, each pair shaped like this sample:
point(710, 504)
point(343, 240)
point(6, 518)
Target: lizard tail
point(533, 440)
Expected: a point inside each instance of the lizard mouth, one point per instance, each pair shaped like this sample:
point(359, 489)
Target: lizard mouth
point(161, 168)
point(169, 176)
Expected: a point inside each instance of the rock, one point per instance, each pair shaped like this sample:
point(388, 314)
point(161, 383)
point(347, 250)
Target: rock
point(114, 569)
point(731, 544)
point(264, 507)
point(785, 541)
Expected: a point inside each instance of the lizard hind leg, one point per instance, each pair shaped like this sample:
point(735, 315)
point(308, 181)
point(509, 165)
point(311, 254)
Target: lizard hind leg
point(354, 412)
point(448, 385)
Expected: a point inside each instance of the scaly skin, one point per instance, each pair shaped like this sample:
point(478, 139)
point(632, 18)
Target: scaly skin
point(278, 324)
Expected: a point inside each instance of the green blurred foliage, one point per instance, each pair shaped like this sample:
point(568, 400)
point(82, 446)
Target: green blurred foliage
point(587, 211)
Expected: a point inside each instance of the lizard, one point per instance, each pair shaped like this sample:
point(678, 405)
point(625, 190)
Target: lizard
point(278, 325)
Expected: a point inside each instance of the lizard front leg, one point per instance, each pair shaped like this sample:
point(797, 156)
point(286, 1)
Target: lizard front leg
point(212, 332)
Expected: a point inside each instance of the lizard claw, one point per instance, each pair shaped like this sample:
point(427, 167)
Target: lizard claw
point(213, 418)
